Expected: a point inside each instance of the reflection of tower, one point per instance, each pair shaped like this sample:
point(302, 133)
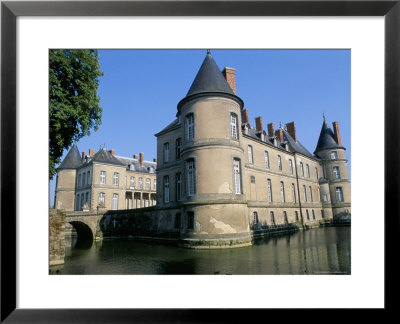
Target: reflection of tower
point(66, 177)
point(330, 150)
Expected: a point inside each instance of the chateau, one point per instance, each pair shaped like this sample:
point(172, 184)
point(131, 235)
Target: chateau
point(218, 179)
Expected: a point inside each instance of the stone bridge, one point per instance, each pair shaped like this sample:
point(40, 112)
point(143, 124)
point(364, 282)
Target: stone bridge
point(86, 224)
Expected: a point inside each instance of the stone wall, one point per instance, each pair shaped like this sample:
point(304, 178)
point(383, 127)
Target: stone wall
point(57, 237)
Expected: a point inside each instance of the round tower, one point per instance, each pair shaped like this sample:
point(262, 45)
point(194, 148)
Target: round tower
point(214, 203)
point(66, 180)
point(332, 153)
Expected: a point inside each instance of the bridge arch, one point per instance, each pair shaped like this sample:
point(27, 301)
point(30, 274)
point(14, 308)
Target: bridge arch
point(84, 234)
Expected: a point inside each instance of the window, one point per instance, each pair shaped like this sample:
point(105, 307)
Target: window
point(339, 194)
point(234, 133)
point(148, 184)
point(311, 196)
point(313, 214)
point(291, 166)
point(308, 215)
point(324, 197)
point(89, 180)
point(293, 193)
point(305, 193)
point(237, 176)
point(178, 186)
point(116, 178)
point(190, 220)
point(334, 155)
point(272, 218)
point(279, 163)
point(191, 178)
point(82, 200)
point(296, 215)
point(79, 181)
point(166, 152)
point(269, 190)
point(252, 179)
point(77, 202)
point(336, 172)
point(133, 183)
point(166, 189)
point(115, 202)
point(255, 218)
point(140, 183)
point(102, 198)
point(84, 179)
point(178, 144)
point(87, 198)
point(308, 170)
point(154, 184)
point(250, 153)
point(322, 214)
point(189, 125)
point(285, 218)
point(316, 172)
point(282, 192)
point(302, 169)
point(266, 159)
point(102, 177)
point(177, 224)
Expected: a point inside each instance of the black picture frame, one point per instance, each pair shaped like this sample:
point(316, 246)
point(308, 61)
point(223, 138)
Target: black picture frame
point(10, 10)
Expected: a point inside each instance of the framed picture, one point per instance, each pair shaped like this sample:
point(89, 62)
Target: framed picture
point(12, 159)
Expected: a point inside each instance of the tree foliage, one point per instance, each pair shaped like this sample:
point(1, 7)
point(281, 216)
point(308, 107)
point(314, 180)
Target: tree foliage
point(74, 103)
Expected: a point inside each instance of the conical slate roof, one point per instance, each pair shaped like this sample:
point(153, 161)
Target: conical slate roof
point(326, 139)
point(104, 156)
point(72, 160)
point(210, 80)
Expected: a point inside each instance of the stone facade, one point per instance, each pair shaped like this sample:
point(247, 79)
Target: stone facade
point(57, 237)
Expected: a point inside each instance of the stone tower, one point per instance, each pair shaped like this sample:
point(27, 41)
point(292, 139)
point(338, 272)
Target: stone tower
point(66, 177)
point(330, 150)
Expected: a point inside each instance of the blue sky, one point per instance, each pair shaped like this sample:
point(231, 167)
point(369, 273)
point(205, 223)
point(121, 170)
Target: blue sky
point(140, 90)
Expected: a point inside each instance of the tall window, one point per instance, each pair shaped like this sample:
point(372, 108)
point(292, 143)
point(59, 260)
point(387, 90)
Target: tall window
point(293, 193)
point(316, 172)
point(336, 172)
point(89, 180)
point(177, 224)
point(308, 170)
point(166, 152)
point(116, 178)
point(255, 218)
point(102, 198)
point(285, 218)
point(178, 144)
point(313, 214)
point(308, 215)
point(189, 126)
point(132, 183)
point(191, 177)
point(87, 198)
point(82, 200)
point(269, 190)
point(339, 194)
point(282, 192)
point(266, 159)
point(311, 196)
point(272, 218)
point(305, 193)
point(178, 186)
point(302, 168)
point(334, 155)
point(279, 163)
point(166, 189)
point(190, 220)
point(291, 166)
point(84, 179)
point(234, 132)
point(154, 184)
point(322, 214)
point(237, 176)
point(77, 202)
point(102, 177)
point(79, 181)
point(250, 153)
point(148, 184)
point(296, 215)
point(115, 202)
point(140, 183)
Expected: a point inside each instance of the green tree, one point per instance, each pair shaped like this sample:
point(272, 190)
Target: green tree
point(74, 103)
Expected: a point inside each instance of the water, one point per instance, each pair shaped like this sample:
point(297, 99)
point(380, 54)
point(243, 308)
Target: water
point(316, 251)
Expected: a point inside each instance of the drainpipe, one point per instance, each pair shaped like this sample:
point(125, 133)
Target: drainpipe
point(298, 191)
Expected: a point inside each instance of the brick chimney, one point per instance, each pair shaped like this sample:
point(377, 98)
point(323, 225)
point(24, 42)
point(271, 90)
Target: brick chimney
point(270, 129)
point(112, 152)
point(259, 126)
point(155, 160)
point(91, 152)
point(83, 157)
point(135, 156)
point(291, 129)
point(336, 133)
point(229, 74)
point(279, 134)
point(245, 116)
point(141, 158)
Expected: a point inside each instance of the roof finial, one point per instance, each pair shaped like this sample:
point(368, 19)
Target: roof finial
point(323, 115)
point(280, 125)
point(208, 52)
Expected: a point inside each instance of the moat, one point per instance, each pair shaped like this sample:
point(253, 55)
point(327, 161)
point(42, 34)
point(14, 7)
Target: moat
point(325, 250)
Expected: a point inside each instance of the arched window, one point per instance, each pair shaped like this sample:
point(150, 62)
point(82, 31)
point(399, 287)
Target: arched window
point(302, 169)
point(166, 152)
point(266, 159)
point(282, 191)
point(250, 153)
point(269, 190)
point(305, 193)
point(190, 177)
point(279, 163)
point(189, 127)
point(293, 193)
point(237, 176)
point(311, 195)
point(291, 166)
point(308, 170)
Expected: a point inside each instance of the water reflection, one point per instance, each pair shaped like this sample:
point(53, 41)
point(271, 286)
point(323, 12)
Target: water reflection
point(317, 251)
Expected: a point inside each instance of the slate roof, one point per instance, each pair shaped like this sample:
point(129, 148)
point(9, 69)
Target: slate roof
point(72, 160)
point(326, 139)
point(104, 156)
point(148, 167)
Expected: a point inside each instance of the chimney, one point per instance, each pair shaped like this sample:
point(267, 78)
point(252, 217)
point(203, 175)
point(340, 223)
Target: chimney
point(245, 116)
point(155, 160)
point(259, 126)
point(135, 156)
point(141, 157)
point(279, 134)
point(229, 74)
point(336, 133)
point(112, 152)
point(83, 157)
point(91, 152)
point(291, 129)
point(270, 129)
